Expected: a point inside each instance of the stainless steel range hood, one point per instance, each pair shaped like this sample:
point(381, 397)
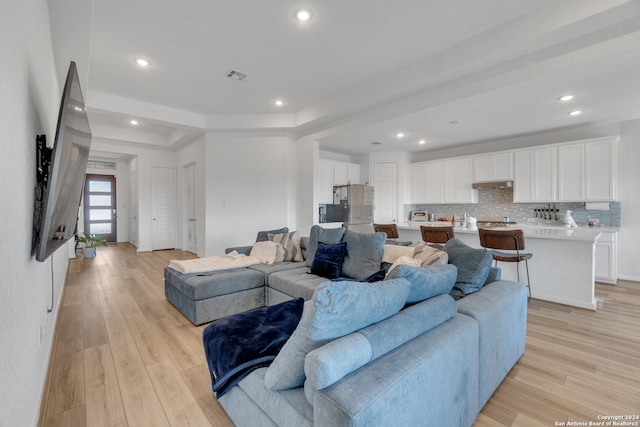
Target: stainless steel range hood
point(492, 184)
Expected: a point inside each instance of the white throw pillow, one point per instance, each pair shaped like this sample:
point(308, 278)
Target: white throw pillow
point(430, 256)
point(404, 260)
point(393, 252)
point(265, 251)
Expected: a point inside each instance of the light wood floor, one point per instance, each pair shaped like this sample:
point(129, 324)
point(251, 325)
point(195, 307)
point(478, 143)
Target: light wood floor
point(124, 356)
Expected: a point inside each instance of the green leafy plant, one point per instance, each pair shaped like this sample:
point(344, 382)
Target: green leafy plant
point(91, 240)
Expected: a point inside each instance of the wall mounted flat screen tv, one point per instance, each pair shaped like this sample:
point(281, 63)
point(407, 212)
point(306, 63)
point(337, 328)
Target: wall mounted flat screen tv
point(62, 185)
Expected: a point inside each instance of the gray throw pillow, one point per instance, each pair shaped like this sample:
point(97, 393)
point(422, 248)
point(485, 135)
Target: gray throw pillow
point(426, 282)
point(364, 253)
point(473, 265)
point(330, 236)
point(336, 309)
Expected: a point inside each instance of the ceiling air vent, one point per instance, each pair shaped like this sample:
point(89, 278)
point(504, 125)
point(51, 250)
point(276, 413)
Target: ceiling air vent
point(236, 75)
point(377, 143)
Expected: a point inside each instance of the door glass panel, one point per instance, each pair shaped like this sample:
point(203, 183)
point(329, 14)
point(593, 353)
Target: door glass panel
point(104, 228)
point(100, 186)
point(100, 214)
point(99, 200)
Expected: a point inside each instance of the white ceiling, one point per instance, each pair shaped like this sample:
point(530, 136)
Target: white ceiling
point(357, 72)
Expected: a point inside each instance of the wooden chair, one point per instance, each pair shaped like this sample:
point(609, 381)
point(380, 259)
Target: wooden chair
point(506, 240)
point(392, 233)
point(436, 236)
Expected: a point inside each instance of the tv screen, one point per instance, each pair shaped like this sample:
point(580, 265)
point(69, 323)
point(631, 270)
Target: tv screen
point(65, 180)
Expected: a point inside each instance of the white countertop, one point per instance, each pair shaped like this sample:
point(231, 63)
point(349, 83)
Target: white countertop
point(543, 231)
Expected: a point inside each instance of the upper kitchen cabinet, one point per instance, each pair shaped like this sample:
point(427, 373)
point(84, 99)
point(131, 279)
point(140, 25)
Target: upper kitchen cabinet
point(587, 170)
point(458, 179)
point(581, 171)
point(334, 172)
point(494, 167)
point(535, 175)
point(447, 181)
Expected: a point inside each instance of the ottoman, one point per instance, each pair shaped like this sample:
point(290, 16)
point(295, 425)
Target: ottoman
point(204, 297)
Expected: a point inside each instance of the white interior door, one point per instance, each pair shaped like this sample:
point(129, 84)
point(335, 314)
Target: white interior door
point(190, 210)
point(133, 207)
point(163, 208)
point(385, 187)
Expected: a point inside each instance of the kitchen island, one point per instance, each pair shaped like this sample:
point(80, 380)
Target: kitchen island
point(562, 269)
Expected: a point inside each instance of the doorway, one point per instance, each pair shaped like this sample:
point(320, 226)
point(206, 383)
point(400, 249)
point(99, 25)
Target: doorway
point(163, 208)
point(100, 213)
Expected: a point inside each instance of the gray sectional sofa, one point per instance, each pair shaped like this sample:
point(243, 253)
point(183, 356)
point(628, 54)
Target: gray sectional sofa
point(432, 360)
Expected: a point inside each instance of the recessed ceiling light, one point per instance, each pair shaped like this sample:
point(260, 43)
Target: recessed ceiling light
point(142, 62)
point(575, 113)
point(303, 15)
point(565, 98)
point(399, 134)
point(454, 122)
point(422, 141)
point(134, 122)
point(77, 108)
point(278, 102)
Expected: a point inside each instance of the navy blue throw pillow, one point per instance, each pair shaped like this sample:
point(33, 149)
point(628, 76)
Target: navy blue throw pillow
point(327, 261)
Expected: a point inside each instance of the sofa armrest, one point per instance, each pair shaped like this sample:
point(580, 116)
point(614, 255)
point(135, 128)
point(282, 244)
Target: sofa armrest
point(243, 250)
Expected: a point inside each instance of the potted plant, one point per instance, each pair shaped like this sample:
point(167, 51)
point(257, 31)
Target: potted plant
point(89, 243)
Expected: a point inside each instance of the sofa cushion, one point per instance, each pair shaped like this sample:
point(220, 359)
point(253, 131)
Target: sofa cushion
point(328, 364)
point(473, 265)
point(364, 253)
point(336, 309)
point(426, 282)
point(324, 235)
point(296, 283)
point(265, 251)
point(288, 246)
point(264, 235)
point(327, 261)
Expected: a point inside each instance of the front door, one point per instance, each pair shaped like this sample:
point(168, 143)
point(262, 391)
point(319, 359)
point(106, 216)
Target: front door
point(100, 212)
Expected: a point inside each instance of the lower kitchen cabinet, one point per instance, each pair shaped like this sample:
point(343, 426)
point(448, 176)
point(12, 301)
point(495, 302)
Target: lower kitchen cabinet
point(606, 264)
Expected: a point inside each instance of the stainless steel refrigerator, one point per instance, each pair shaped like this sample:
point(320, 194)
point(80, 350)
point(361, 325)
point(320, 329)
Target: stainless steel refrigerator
point(353, 206)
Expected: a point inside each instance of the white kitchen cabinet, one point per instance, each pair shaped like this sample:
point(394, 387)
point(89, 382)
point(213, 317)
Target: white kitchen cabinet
point(435, 182)
point(340, 173)
point(353, 173)
point(494, 167)
point(535, 175)
point(419, 182)
point(457, 181)
point(571, 175)
point(606, 263)
point(600, 169)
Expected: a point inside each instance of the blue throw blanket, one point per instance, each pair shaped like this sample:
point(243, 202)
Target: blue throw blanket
point(238, 344)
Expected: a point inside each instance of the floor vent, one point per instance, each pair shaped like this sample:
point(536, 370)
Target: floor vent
point(236, 75)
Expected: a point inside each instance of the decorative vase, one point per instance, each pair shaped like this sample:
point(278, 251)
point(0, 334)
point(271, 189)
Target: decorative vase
point(89, 252)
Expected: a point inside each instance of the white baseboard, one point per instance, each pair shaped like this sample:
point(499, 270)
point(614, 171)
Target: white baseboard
point(629, 278)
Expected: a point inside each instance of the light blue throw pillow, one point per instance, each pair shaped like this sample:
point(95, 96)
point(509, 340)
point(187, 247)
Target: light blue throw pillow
point(364, 253)
point(330, 236)
point(426, 282)
point(336, 309)
point(473, 265)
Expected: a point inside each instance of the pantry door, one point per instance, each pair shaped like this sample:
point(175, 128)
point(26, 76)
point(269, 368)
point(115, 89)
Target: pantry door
point(163, 208)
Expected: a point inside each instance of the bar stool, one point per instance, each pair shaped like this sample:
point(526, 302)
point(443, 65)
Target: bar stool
point(510, 240)
point(436, 236)
point(392, 233)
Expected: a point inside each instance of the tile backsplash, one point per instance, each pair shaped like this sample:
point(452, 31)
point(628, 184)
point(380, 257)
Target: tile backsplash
point(494, 204)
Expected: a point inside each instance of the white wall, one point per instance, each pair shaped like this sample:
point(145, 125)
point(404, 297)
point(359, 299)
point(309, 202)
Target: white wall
point(246, 188)
point(628, 190)
point(30, 95)
point(193, 154)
